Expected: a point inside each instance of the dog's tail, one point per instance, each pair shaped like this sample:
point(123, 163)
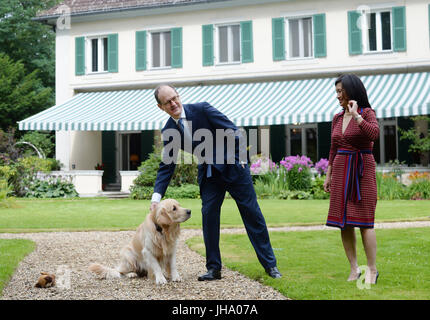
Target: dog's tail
point(104, 272)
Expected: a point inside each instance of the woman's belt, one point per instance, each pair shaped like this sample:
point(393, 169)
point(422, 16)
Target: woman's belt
point(354, 167)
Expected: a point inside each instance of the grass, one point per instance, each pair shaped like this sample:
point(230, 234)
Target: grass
point(11, 253)
point(314, 265)
point(125, 214)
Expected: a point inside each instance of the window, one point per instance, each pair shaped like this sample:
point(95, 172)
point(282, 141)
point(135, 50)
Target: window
point(299, 37)
point(98, 54)
point(302, 140)
point(161, 50)
point(385, 148)
point(158, 49)
point(228, 44)
point(299, 34)
point(381, 30)
point(378, 37)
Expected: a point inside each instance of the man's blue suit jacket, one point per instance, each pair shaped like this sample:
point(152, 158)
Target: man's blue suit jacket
point(204, 116)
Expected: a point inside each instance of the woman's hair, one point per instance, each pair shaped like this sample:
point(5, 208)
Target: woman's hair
point(355, 89)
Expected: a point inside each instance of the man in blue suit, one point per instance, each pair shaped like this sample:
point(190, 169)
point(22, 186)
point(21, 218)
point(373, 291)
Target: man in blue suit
point(221, 170)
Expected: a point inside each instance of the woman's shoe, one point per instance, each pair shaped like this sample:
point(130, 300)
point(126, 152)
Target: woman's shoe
point(358, 275)
point(376, 279)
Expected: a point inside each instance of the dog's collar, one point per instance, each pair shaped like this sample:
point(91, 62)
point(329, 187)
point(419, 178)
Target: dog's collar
point(158, 228)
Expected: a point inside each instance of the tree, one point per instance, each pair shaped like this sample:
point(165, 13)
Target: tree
point(21, 94)
point(420, 143)
point(26, 40)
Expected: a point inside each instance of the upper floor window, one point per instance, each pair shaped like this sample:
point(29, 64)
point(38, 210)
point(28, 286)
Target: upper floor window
point(96, 54)
point(299, 37)
point(161, 49)
point(158, 49)
point(378, 37)
point(227, 43)
point(377, 31)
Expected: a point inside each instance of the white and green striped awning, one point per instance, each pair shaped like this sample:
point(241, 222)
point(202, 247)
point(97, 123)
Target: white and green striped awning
point(247, 104)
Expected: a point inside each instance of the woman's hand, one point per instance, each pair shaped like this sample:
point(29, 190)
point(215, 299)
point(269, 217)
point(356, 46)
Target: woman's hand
point(327, 183)
point(353, 108)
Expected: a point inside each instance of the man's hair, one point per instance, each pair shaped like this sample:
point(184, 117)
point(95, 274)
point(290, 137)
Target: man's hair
point(159, 87)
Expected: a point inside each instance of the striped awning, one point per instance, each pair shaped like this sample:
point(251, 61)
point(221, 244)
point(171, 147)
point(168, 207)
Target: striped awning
point(247, 104)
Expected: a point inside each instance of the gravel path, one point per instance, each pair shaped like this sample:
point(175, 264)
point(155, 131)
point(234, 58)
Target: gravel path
point(68, 254)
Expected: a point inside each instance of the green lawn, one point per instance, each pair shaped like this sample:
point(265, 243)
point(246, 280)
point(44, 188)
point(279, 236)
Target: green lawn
point(314, 265)
point(11, 253)
point(106, 214)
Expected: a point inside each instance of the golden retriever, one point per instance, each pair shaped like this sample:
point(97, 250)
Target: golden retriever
point(152, 250)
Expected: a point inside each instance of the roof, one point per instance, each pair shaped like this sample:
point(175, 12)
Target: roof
point(246, 104)
point(85, 7)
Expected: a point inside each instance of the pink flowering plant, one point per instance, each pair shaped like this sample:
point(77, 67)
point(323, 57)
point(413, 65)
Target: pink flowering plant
point(298, 174)
point(321, 166)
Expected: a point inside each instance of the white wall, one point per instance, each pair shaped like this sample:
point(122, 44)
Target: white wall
point(337, 59)
point(84, 148)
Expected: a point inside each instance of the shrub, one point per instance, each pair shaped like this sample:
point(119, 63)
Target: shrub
point(26, 170)
point(317, 189)
point(184, 173)
point(419, 189)
point(50, 188)
point(298, 172)
point(389, 187)
point(186, 191)
point(294, 195)
point(42, 141)
point(5, 191)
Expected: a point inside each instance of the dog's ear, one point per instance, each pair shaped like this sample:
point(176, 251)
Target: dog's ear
point(163, 217)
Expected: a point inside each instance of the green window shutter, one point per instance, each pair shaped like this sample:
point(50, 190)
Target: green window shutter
point(354, 39)
point(320, 49)
point(79, 56)
point(246, 41)
point(140, 50)
point(399, 28)
point(208, 44)
point(113, 52)
point(176, 47)
point(278, 39)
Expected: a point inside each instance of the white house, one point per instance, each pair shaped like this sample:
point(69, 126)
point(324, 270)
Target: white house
point(267, 64)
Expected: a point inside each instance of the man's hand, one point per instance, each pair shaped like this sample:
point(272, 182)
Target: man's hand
point(153, 206)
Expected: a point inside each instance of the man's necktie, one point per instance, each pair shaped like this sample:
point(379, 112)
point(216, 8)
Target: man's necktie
point(187, 136)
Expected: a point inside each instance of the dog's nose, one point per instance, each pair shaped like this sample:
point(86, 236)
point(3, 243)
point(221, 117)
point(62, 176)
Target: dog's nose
point(188, 211)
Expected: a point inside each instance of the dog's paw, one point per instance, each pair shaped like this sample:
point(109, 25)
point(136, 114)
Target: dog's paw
point(160, 280)
point(131, 275)
point(176, 277)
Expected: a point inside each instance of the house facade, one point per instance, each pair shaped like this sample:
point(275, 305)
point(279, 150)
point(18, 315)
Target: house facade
point(269, 65)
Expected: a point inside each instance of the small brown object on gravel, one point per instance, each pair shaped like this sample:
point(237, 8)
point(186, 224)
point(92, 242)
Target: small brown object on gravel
point(46, 280)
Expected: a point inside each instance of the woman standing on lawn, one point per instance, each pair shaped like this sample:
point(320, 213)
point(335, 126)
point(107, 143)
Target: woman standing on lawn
point(351, 176)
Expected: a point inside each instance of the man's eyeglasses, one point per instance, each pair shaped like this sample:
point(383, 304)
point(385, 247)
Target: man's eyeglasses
point(169, 102)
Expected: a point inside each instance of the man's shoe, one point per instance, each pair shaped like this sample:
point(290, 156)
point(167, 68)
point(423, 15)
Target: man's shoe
point(212, 274)
point(274, 272)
